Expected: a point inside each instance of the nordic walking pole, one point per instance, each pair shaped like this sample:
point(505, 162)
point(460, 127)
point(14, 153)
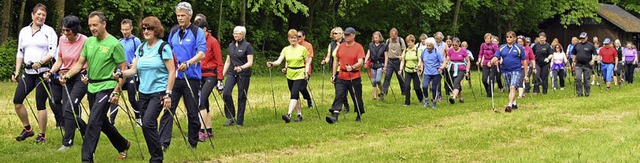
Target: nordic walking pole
point(27, 101)
point(219, 109)
point(273, 95)
point(322, 91)
point(355, 96)
point(193, 150)
point(73, 110)
point(184, 74)
point(493, 104)
point(245, 93)
point(471, 87)
point(313, 99)
point(132, 124)
point(51, 100)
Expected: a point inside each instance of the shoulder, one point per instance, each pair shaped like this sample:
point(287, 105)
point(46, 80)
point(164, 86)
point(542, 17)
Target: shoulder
point(47, 29)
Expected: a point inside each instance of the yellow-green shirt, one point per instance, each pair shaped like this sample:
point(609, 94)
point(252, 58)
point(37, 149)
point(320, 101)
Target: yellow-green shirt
point(411, 59)
point(295, 57)
point(103, 57)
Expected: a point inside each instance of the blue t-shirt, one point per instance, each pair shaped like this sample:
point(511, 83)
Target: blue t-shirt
point(152, 71)
point(186, 46)
point(569, 49)
point(432, 61)
point(130, 46)
point(512, 57)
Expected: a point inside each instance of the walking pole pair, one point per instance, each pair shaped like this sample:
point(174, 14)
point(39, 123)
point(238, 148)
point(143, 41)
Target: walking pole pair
point(184, 75)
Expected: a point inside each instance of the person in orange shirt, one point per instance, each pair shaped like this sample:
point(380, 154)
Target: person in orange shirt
point(305, 92)
point(608, 57)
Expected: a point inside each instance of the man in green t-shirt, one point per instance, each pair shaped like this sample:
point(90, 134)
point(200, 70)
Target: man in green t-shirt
point(103, 53)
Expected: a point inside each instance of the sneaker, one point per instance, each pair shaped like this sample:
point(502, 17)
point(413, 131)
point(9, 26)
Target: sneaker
point(210, 135)
point(229, 122)
point(59, 128)
point(24, 135)
point(122, 156)
point(286, 118)
point(554, 88)
point(202, 136)
point(562, 89)
point(381, 96)
point(358, 118)
point(597, 83)
point(346, 110)
point(299, 119)
point(63, 148)
point(507, 109)
point(451, 100)
point(332, 119)
point(592, 82)
point(461, 100)
point(426, 103)
point(310, 103)
point(405, 105)
point(515, 106)
point(41, 139)
point(139, 122)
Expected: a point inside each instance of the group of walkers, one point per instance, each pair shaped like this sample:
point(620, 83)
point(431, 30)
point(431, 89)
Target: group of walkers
point(189, 65)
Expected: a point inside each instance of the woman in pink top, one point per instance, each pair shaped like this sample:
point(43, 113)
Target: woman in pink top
point(73, 91)
point(457, 61)
point(487, 49)
point(629, 60)
point(530, 58)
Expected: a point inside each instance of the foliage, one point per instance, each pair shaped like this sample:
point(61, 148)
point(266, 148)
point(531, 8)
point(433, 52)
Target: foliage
point(8, 58)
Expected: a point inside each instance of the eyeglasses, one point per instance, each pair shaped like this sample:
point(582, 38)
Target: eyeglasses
point(65, 30)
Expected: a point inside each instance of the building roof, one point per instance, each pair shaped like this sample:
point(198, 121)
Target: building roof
point(621, 18)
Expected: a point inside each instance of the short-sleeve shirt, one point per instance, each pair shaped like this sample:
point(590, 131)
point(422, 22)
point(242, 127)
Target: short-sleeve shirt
point(34, 46)
point(103, 57)
point(152, 71)
point(69, 50)
point(542, 51)
point(512, 57)
point(309, 47)
point(629, 54)
point(584, 53)
point(130, 45)
point(295, 57)
point(411, 59)
point(349, 55)
point(238, 55)
point(458, 57)
point(432, 60)
point(608, 54)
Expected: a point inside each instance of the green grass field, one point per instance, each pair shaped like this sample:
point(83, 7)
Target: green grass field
point(557, 127)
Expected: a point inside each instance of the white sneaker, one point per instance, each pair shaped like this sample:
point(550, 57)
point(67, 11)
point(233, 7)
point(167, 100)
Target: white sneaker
point(592, 83)
point(562, 89)
point(63, 148)
point(139, 122)
point(598, 83)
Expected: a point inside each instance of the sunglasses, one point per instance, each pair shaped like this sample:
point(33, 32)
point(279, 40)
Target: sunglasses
point(347, 34)
point(299, 36)
point(147, 28)
point(336, 33)
point(65, 30)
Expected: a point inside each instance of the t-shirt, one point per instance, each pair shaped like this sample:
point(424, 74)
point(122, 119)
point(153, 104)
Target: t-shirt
point(558, 57)
point(486, 52)
point(542, 51)
point(310, 50)
point(34, 46)
point(529, 54)
point(458, 58)
point(512, 57)
point(440, 46)
point(629, 54)
point(432, 60)
point(152, 71)
point(395, 47)
point(584, 53)
point(349, 55)
point(130, 45)
point(608, 54)
point(69, 50)
point(238, 55)
point(295, 57)
point(103, 57)
point(186, 45)
point(212, 63)
point(411, 59)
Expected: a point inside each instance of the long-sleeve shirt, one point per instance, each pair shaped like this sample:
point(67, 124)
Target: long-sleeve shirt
point(212, 63)
point(486, 52)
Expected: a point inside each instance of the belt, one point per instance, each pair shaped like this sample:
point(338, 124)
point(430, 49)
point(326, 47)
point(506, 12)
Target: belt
point(295, 68)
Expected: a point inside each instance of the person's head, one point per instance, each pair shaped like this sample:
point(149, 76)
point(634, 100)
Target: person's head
point(464, 44)
point(183, 14)
point(423, 38)
point(617, 43)
point(70, 26)
point(527, 41)
point(511, 37)
point(302, 35)
point(152, 28)
point(39, 14)
point(542, 37)
point(537, 40)
point(97, 24)
point(607, 42)
point(125, 27)
point(583, 37)
point(596, 44)
point(393, 33)
point(438, 36)
point(595, 39)
point(487, 38)
point(337, 34)
point(520, 40)
point(431, 43)
point(495, 40)
point(239, 33)
point(455, 43)
point(555, 41)
point(574, 40)
point(202, 23)
point(349, 34)
point(448, 41)
point(198, 17)
point(411, 40)
point(629, 45)
point(292, 36)
point(557, 48)
point(377, 37)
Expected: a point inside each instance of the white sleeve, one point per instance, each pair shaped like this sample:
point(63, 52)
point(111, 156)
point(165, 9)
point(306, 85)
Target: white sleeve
point(52, 41)
point(20, 53)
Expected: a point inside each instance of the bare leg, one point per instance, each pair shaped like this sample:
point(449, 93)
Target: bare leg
point(22, 114)
point(42, 119)
point(512, 95)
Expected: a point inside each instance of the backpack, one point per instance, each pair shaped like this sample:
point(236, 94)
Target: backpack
point(134, 41)
point(174, 29)
point(400, 40)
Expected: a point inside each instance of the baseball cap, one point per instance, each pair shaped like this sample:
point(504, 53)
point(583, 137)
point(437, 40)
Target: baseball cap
point(606, 41)
point(349, 30)
point(583, 35)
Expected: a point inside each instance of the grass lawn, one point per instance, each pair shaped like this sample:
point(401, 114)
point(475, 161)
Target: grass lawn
point(557, 127)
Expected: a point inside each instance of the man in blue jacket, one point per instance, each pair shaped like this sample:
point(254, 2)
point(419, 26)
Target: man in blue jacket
point(512, 56)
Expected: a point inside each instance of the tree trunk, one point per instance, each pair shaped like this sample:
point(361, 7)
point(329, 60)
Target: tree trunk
point(455, 17)
point(21, 16)
point(243, 16)
point(220, 21)
point(334, 8)
point(59, 13)
point(312, 13)
point(140, 15)
point(6, 16)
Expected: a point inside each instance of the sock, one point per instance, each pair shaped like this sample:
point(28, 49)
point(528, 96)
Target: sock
point(202, 130)
point(209, 130)
point(41, 134)
point(27, 127)
point(300, 114)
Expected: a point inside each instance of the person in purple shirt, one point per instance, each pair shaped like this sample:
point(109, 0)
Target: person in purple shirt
point(511, 56)
point(457, 61)
point(629, 60)
point(489, 71)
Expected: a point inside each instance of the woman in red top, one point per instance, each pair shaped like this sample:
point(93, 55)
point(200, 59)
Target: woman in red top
point(529, 58)
point(211, 76)
point(608, 56)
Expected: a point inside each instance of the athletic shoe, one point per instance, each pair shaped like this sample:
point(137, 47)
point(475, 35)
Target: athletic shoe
point(461, 100)
point(562, 89)
point(139, 122)
point(507, 109)
point(63, 148)
point(310, 103)
point(229, 122)
point(202, 136)
point(210, 135)
point(299, 119)
point(405, 105)
point(122, 156)
point(451, 100)
point(514, 106)
point(346, 110)
point(597, 83)
point(41, 139)
point(381, 96)
point(332, 119)
point(286, 118)
point(435, 102)
point(24, 135)
point(358, 118)
point(592, 82)
point(426, 103)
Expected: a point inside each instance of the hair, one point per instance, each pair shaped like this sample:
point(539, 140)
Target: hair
point(438, 35)
point(71, 22)
point(558, 45)
point(302, 32)
point(423, 36)
point(99, 15)
point(292, 33)
point(153, 22)
point(126, 21)
point(335, 29)
point(202, 23)
point(464, 44)
point(511, 33)
point(617, 43)
point(240, 29)
point(411, 38)
point(201, 15)
point(379, 36)
point(431, 41)
point(487, 35)
point(542, 34)
point(449, 38)
point(454, 40)
point(39, 6)
point(393, 30)
point(185, 6)
point(523, 40)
